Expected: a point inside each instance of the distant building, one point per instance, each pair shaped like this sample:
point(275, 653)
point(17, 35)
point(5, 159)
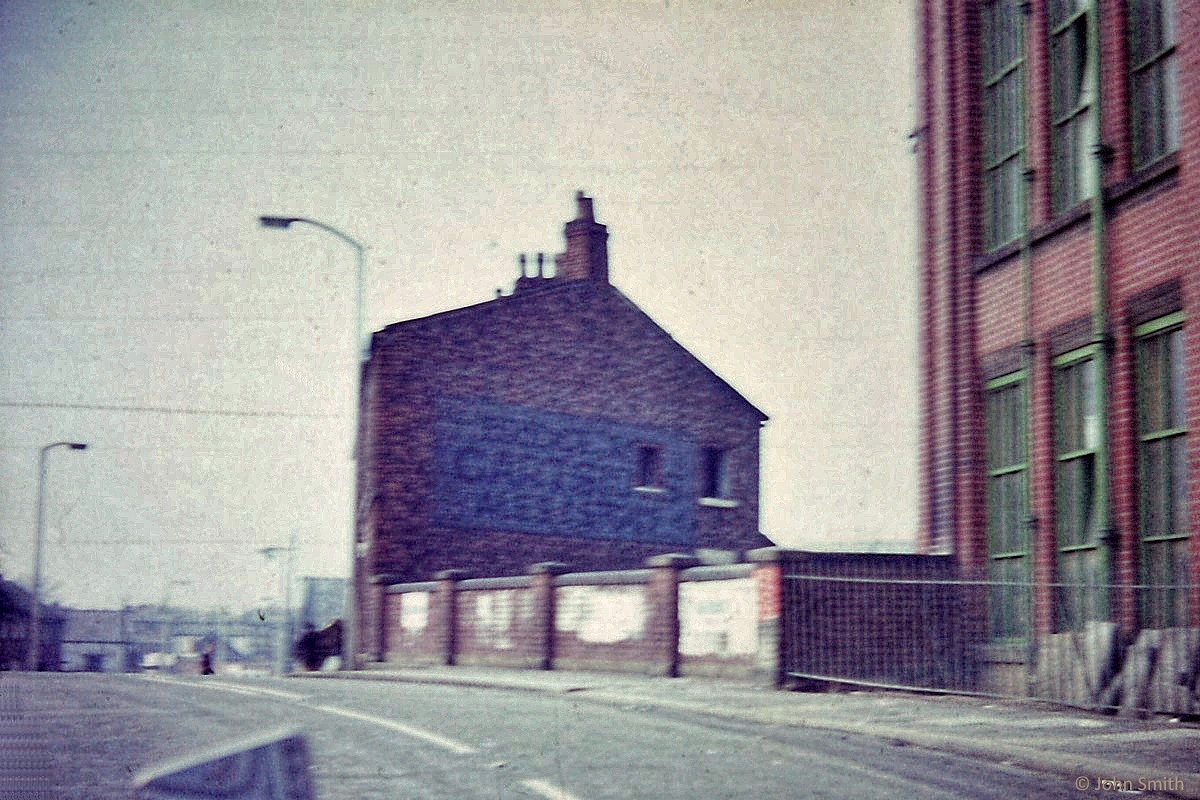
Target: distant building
point(137, 637)
point(556, 423)
point(97, 641)
point(1061, 289)
point(323, 601)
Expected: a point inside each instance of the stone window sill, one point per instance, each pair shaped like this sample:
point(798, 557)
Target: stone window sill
point(718, 502)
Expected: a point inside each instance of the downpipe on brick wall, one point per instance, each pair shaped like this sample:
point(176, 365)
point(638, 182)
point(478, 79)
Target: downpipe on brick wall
point(1101, 335)
point(1028, 347)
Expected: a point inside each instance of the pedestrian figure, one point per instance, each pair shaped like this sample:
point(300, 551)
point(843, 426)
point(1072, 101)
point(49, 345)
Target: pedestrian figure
point(206, 661)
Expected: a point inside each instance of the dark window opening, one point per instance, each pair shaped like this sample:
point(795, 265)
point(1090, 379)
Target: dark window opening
point(649, 467)
point(716, 473)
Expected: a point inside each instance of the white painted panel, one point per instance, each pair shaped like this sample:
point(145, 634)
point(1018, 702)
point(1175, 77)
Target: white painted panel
point(718, 618)
point(602, 614)
point(414, 611)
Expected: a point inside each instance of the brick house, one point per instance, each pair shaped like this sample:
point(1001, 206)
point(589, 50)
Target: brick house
point(1060, 276)
point(555, 423)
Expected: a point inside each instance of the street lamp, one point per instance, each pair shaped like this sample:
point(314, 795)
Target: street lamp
point(283, 636)
point(350, 621)
point(33, 657)
point(359, 255)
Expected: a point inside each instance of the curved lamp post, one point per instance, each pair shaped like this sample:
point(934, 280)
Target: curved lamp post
point(33, 657)
point(350, 626)
point(359, 251)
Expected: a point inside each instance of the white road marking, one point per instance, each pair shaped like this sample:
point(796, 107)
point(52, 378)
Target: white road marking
point(400, 727)
point(229, 687)
point(548, 790)
point(391, 724)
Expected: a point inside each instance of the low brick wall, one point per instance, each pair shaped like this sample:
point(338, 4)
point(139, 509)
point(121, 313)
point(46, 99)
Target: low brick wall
point(888, 619)
point(497, 623)
point(407, 627)
point(671, 618)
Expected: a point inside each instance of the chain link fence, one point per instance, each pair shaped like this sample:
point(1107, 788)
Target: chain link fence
point(908, 622)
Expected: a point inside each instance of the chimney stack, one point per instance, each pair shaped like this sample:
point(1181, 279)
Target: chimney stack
point(586, 257)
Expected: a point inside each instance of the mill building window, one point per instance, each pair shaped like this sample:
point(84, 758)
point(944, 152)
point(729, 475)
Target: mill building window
point(1153, 91)
point(1071, 97)
point(1003, 101)
point(1076, 438)
point(1162, 472)
point(1007, 507)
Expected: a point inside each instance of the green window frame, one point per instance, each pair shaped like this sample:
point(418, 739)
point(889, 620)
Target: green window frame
point(1002, 32)
point(1080, 564)
point(1071, 96)
point(1162, 472)
point(1005, 417)
point(1153, 80)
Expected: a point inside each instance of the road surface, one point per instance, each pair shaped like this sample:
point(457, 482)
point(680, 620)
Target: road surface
point(87, 735)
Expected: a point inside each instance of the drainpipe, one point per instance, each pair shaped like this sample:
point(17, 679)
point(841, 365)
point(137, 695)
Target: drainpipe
point(952, 514)
point(1100, 324)
point(1028, 348)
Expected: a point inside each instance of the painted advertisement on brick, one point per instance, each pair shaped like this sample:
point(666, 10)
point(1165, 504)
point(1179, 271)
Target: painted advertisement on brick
point(509, 468)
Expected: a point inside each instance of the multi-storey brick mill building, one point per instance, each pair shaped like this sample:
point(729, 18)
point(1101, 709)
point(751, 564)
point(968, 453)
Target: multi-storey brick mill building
point(555, 423)
point(1059, 148)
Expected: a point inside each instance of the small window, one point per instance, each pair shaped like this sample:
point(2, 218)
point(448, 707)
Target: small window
point(649, 467)
point(716, 473)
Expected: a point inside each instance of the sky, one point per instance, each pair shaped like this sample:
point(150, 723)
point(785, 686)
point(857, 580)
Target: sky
point(751, 161)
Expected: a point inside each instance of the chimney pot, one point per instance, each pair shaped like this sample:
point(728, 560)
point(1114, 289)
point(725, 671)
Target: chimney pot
point(584, 204)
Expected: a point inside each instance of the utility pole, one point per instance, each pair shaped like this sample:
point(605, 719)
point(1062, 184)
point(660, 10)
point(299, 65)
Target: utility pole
point(283, 641)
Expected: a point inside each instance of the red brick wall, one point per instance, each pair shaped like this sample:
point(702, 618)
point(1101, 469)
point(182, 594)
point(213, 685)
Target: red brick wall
point(418, 643)
point(973, 307)
point(578, 348)
point(498, 626)
point(626, 620)
point(624, 641)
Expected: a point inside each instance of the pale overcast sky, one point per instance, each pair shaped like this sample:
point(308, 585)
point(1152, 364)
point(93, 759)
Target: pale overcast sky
point(750, 160)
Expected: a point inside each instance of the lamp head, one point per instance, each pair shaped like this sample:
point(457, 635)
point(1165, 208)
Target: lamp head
point(276, 222)
point(77, 445)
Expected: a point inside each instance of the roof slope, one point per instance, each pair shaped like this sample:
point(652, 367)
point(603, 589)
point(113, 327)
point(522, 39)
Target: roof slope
point(524, 306)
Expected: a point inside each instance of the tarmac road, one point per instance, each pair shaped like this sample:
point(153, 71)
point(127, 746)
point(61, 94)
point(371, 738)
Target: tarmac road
point(85, 736)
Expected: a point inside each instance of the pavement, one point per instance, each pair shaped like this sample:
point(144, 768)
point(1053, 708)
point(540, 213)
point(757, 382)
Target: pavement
point(1099, 754)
